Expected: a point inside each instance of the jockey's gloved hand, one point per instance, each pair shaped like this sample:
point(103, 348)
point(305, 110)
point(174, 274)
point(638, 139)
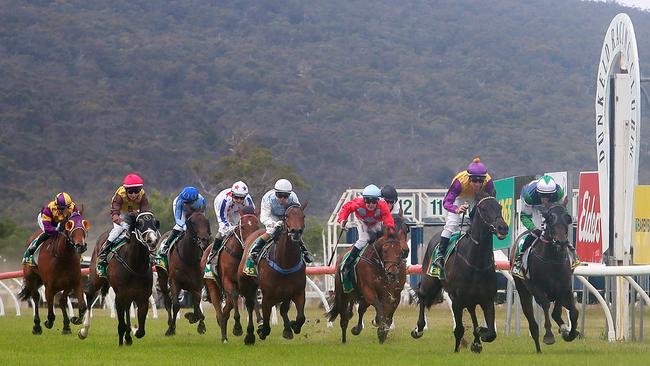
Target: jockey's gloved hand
point(60, 227)
point(124, 225)
point(278, 224)
point(344, 224)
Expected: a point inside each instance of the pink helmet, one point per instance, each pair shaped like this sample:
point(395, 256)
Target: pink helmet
point(476, 168)
point(132, 180)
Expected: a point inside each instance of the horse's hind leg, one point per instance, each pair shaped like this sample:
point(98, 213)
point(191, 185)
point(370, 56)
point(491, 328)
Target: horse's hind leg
point(49, 297)
point(121, 324)
point(198, 314)
point(428, 290)
point(36, 297)
point(287, 333)
point(143, 308)
point(549, 338)
point(127, 319)
point(63, 304)
point(526, 301)
point(234, 304)
point(363, 306)
point(459, 330)
point(476, 346)
point(172, 313)
point(299, 301)
point(249, 340)
point(264, 329)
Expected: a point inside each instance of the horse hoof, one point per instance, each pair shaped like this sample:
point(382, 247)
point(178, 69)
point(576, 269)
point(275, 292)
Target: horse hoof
point(170, 332)
point(49, 324)
point(37, 331)
point(295, 327)
point(191, 318)
point(261, 334)
point(139, 333)
point(249, 340)
point(415, 334)
point(570, 336)
point(356, 330)
point(82, 333)
point(66, 331)
point(237, 330)
point(128, 341)
point(224, 341)
point(549, 340)
point(287, 334)
point(75, 320)
point(476, 347)
point(201, 328)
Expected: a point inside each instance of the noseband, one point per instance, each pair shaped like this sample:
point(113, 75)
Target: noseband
point(139, 235)
point(491, 226)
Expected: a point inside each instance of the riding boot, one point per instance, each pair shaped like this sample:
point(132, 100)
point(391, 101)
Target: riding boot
point(348, 266)
point(442, 251)
point(306, 255)
point(573, 256)
point(518, 265)
point(28, 257)
point(162, 260)
point(102, 258)
point(207, 272)
point(253, 255)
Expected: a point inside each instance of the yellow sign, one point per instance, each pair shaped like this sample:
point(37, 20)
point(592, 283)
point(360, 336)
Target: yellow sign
point(641, 225)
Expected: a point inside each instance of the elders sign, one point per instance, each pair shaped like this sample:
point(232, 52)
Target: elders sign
point(589, 240)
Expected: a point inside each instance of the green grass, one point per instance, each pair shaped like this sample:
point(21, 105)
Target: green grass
point(316, 345)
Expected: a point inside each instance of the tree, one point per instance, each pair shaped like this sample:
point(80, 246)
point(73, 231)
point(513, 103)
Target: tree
point(13, 240)
point(161, 206)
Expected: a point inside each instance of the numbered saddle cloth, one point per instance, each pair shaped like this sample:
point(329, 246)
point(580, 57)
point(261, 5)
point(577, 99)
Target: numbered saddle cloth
point(349, 279)
point(434, 270)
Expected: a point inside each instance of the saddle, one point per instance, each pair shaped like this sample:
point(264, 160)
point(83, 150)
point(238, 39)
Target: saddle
point(349, 279)
point(434, 270)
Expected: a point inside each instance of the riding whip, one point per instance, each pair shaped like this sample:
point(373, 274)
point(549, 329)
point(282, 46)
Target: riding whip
point(336, 246)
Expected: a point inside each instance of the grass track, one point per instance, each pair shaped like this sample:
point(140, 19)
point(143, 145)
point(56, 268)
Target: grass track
point(316, 344)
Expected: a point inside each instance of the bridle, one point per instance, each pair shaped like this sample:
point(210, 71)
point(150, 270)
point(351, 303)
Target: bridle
point(491, 226)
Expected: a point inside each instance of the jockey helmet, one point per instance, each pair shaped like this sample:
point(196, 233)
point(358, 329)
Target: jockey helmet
point(63, 200)
point(132, 180)
point(239, 189)
point(371, 191)
point(389, 193)
point(189, 194)
point(546, 185)
point(283, 185)
point(476, 168)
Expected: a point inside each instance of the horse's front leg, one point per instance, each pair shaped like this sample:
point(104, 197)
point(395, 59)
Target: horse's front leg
point(363, 306)
point(476, 346)
point(81, 302)
point(264, 329)
point(541, 298)
point(488, 334)
point(287, 333)
point(143, 308)
point(569, 303)
point(299, 301)
point(198, 314)
point(63, 304)
point(49, 298)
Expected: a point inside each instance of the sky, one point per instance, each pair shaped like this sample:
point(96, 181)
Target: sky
point(643, 4)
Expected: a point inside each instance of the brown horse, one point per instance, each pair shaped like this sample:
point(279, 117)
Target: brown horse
point(226, 284)
point(470, 277)
point(185, 272)
point(550, 278)
point(380, 275)
point(129, 274)
point(59, 270)
point(281, 277)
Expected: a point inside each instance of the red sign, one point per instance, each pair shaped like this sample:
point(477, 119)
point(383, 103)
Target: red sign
point(589, 239)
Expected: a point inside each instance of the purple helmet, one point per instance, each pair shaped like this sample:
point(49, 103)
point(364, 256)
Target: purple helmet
point(476, 168)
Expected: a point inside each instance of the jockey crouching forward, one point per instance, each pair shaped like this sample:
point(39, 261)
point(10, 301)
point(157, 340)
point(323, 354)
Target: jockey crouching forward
point(459, 198)
point(536, 197)
point(186, 203)
point(130, 198)
point(370, 213)
point(273, 208)
point(228, 206)
point(51, 220)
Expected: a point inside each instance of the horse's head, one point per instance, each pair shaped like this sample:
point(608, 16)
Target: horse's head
point(295, 221)
point(248, 222)
point(199, 228)
point(402, 233)
point(488, 210)
point(146, 230)
point(557, 221)
point(390, 250)
point(75, 230)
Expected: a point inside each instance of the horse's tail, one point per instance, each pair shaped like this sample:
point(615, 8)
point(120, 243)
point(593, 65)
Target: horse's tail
point(25, 293)
point(105, 288)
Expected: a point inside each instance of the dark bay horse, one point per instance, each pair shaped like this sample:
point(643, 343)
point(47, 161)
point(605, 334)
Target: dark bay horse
point(281, 277)
point(129, 274)
point(59, 270)
point(185, 272)
point(381, 274)
point(470, 276)
point(225, 285)
point(550, 278)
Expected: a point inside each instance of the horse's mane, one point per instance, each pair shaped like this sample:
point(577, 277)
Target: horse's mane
point(248, 210)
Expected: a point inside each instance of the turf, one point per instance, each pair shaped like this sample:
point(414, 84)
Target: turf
point(317, 344)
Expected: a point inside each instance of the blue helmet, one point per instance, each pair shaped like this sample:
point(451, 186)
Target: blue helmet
point(189, 194)
point(371, 191)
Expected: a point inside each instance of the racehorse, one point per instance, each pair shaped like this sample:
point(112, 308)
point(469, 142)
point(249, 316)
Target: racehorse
point(185, 272)
point(225, 285)
point(470, 274)
point(549, 278)
point(59, 270)
point(281, 277)
point(129, 274)
point(380, 277)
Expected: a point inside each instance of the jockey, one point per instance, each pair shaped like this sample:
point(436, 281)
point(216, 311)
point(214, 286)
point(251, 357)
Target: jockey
point(536, 197)
point(227, 205)
point(273, 206)
point(51, 220)
point(370, 213)
point(458, 199)
point(186, 203)
point(389, 194)
point(128, 199)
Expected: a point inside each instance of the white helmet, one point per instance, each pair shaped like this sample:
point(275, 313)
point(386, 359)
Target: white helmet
point(239, 189)
point(546, 185)
point(283, 185)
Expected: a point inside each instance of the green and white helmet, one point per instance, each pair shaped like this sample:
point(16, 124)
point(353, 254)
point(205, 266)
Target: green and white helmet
point(546, 185)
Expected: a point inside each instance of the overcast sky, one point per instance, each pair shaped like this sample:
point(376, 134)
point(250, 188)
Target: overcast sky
point(643, 4)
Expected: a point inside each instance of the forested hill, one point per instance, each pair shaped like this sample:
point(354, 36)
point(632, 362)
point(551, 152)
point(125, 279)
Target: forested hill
point(347, 92)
